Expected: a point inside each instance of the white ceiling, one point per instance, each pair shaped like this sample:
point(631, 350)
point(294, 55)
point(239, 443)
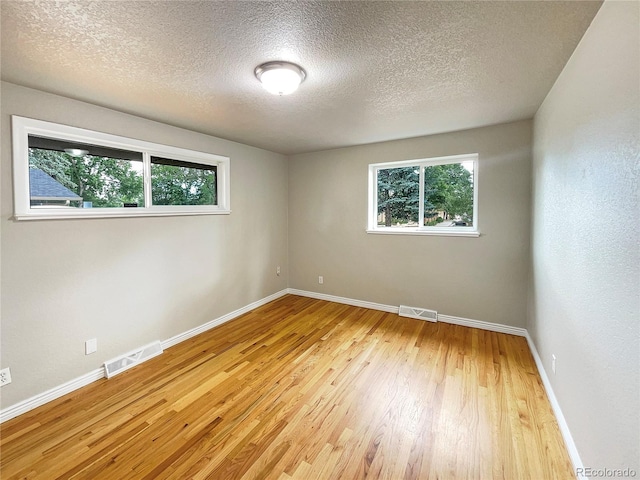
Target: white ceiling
point(376, 70)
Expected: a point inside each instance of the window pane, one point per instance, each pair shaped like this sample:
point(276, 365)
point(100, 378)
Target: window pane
point(174, 182)
point(398, 196)
point(448, 195)
point(81, 179)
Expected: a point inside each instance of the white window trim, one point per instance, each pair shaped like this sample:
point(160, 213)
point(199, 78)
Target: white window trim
point(372, 204)
point(23, 127)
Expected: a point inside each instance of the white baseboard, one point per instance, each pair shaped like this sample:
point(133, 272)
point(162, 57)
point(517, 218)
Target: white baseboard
point(557, 411)
point(45, 397)
point(493, 327)
point(181, 337)
point(465, 322)
point(68, 387)
point(344, 300)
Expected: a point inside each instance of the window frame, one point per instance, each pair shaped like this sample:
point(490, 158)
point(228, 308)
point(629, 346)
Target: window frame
point(372, 204)
point(22, 127)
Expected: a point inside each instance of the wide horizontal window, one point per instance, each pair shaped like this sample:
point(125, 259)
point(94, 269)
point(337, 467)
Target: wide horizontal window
point(67, 172)
point(436, 196)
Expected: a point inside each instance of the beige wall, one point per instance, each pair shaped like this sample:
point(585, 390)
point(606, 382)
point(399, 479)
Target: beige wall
point(481, 278)
point(129, 281)
point(585, 290)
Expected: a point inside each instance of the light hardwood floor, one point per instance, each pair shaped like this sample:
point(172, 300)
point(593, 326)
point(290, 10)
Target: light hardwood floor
point(305, 389)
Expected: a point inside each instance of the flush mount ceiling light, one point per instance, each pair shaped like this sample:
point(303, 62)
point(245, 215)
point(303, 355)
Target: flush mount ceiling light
point(280, 78)
point(76, 152)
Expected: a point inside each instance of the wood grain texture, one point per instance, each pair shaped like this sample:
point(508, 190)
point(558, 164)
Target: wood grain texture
point(304, 389)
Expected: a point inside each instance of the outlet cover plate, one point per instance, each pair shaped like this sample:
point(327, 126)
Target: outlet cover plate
point(91, 346)
point(5, 376)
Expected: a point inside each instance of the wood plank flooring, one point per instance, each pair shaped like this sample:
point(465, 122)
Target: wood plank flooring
point(304, 389)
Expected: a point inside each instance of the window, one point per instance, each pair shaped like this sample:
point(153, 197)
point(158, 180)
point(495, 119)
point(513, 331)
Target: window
point(174, 182)
point(436, 196)
point(68, 172)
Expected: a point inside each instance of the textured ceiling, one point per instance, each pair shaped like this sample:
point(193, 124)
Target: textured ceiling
point(376, 70)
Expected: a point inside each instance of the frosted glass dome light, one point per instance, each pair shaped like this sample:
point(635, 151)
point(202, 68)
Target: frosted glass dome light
point(280, 78)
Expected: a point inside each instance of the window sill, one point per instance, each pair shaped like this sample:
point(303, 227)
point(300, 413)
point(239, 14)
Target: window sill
point(438, 233)
point(116, 213)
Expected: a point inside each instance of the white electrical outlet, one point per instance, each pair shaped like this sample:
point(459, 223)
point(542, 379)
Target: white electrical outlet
point(91, 346)
point(320, 279)
point(278, 270)
point(553, 364)
point(5, 376)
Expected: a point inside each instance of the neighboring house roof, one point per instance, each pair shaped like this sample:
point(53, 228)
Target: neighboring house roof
point(45, 187)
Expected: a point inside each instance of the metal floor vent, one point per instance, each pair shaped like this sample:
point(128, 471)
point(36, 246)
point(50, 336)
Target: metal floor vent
point(131, 359)
point(419, 313)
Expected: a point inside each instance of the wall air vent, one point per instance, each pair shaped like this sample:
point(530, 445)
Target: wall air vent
point(419, 313)
point(131, 359)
